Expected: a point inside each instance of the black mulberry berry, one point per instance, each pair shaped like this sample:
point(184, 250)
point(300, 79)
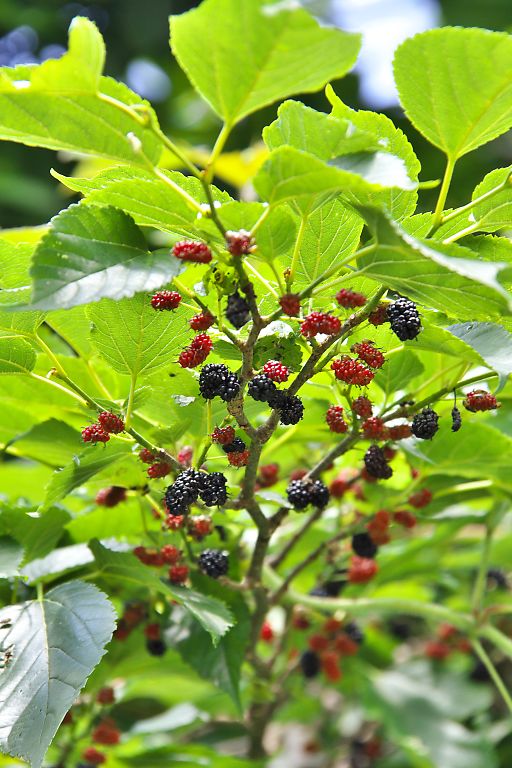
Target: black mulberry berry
point(291, 409)
point(363, 545)
point(155, 647)
point(425, 424)
point(183, 492)
point(237, 310)
point(404, 319)
point(298, 494)
point(237, 446)
point(310, 664)
point(216, 380)
point(213, 489)
point(456, 419)
point(319, 494)
point(261, 388)
point(354, 631)
point(214, 563)
point(376, 464)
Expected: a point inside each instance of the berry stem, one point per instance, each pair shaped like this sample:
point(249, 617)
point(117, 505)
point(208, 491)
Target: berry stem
point(131, 395)
point(220, 142)
point(443, 193)
point(296, 250)
point(493, 673)
point(477, 200)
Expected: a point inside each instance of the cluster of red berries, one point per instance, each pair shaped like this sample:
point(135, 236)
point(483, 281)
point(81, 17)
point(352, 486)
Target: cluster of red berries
point(165, 300)
point(361, 569)
point(239, 243)
point(480, 400)
point(159, 466)
point(108, 424)
point(368, 353)
point(191, 250)
point(379, 316)
point(290, 304)
point(335, 420)
point(420, 498)
point(197, 351)
point(276, 371)
point(201, 322)
point(268, 475)
point(362, 407)
point(111, 496)
point(448, 641)
point(328, 647)
point(319, 323)
point(350, 299)
point(167, 555)
point(185, 454)
point(352, 371)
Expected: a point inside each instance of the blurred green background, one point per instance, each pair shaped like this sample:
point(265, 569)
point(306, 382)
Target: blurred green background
point(138, 53)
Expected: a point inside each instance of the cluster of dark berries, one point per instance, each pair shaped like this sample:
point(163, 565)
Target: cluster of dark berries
point(350, 299)
point(237, 310)
point(214, 563)
point(319, 323)
point(456, 419)
point(239, 243)
point(352, 371)
point(404, 319)
point(302, 493)
point(425, 424)
point(376, 463)
point(480, 400)
point(216, 380)
point(201, 322)
point(165, 300)
point(328, 647)
point(335, 420)
point(159, 465)
point(190, 250)
point(264, 390)
point(111, 496)
point(108, 424)
point(290, 304)
point(197, 351)
point(191, 485)
point(368, 353)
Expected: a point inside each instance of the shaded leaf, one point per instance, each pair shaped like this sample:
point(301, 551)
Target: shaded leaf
point(16, 356)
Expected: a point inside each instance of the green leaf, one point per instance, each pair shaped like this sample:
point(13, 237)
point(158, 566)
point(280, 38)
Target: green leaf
point(55, 643)
point(51, 442)
point(11, 555)
point(212, 614)
point(446, 277)
point(57, 562)
point(134, 338)
point(16, 356)
point(496, 212)
point(244, 54)
point(398, 371)
point(64, 104)
point(91, 253)
point(84, 466)
point(399, 203)
point(492, 342)
point(456, 86)
point(14, 281)
point(150, 200)
point(37, 534)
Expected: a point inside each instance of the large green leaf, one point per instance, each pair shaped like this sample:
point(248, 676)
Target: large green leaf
point(11, 555)
point(134, 338)
point(495, 212)
point(243, 54)
point(16, 356)
point(446, 277)
point(150, 200)
point(492, 342)
point(51, 442)
point(55, 643)
point(398, 371)
point(66, 104)
point(456, 86)
point(92, 252)
point(15, 261)
point(38, 534)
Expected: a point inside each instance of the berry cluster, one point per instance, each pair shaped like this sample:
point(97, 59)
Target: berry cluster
point(223, 435)
point(160, 466)
point(237, 310)
point(362, 407)
point(352, 371)
point(108, 423)
point(425, 424)
point(480, 400)
point(190, 250)
point(350, 299)
point(216, 380)
point(319, 323)
point(201, 322)
point(237, 453)
point(368, 353)
point(239, 243)
point(335, 420)
point(334, 642)
point(111, 496)
point(264, 390)
point(374, 429)
point(404, 319)
point(191, 485)
point(376, 464)
point(165, 300)
point(268, 475)
point(214, 563)
point(379, 316)
point(290, 304)
point(448, 640)
point(302, 493)
point(197, 351)
point(276, 371)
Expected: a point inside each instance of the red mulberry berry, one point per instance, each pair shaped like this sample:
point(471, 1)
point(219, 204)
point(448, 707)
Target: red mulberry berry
point(362, 569)
point(147, 456)
point(290, 304)
point(345, 646)
point(95, 434)
point(187, 358)
point(298, 474)
point(437, 650)
point(223, 435)
point(420, 499)
point(405, 518)
point(330, 666)
point(374, 429)
point(165, 300)
point(379, 315)
point(111, 423)
point(238, 459)
point(350, 299)
point(239, 243)
point(178, 574)
point(190, 250)
point(338, 487)
point(185, 455)
point(276, 371)
point(201, 322)
point(201, 343)
point(362, 407)
point(400, 432)
point(367, 352)
point(480, 400)
point(319, 322)
point(335, 420)
point(159, 469)
point(110, 497)
point(200, 527)
point(268, 475)
point(170, 554)
point(93, 756)
point(352, 371)
point(267, 633)
point(174, 522)
point(105, 733)
point(152, 631)
point(105, 695)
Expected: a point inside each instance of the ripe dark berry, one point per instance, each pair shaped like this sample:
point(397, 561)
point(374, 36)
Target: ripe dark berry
point(376, 464)
point(159, 469)
point(239, 243)
point(456, 419)
point(354, 632)
point(237, 310)
point(238, 458)
point(404, 319)
point(201, 322)
point(363, 545)
point(261, 388)
point(214, 563)
point(480, 400)
point(216, 380)
point(298, 494)
point(147, 456)
point(276, 371)
point(290, 304)
point(319, 494)
point(379, 316)
point(425, 424)
point(165, 300)
point(310, 664)
point(362, 569)
point(350, 299)
point(95, 434)
point(110, 497)
point(236, 446)
point(352, 371)
point(290, 407)
point(362, 407)
point(223, 435)
point(369, 354)
point(183, 492)
point(155, 647)
point(111, 423)
point(319, 322)
point(213, 489)
point(374, 429)
point(498, 577)
point(335, 420)
point(190, 250)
